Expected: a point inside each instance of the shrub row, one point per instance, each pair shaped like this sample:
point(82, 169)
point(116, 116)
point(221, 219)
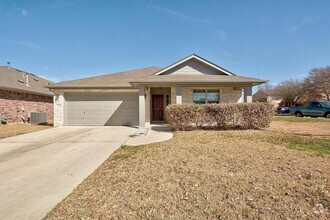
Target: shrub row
point(219, 116)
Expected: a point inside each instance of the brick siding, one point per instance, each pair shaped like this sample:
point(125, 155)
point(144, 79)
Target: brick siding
point(12, 104)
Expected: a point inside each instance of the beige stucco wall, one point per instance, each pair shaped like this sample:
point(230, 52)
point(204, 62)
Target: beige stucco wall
point(227, 94)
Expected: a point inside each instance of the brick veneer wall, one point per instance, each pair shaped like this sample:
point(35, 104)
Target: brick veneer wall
point(15, 104)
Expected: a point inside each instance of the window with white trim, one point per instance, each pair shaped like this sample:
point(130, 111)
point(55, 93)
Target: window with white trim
point(206, 96)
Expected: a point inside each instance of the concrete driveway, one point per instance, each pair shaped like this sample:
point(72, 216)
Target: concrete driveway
point(39, 169)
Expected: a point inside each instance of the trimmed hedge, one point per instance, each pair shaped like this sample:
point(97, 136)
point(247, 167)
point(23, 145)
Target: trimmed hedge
point(219, 116)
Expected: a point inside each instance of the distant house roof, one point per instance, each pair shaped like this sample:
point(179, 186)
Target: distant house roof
point(266, 93)
point(14, 79)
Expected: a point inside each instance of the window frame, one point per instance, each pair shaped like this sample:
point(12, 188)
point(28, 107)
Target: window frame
point(206, 101)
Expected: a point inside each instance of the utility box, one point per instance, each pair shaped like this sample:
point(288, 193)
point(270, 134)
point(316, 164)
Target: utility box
point(38, 117)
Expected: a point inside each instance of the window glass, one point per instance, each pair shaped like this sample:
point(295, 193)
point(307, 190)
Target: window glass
point(202, 96)
point(199, 96)
point(315, 104)
point(213, 96)
point(326, 104)
point(167, 99)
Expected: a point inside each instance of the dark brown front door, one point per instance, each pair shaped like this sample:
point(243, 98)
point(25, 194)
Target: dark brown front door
point(158, 107)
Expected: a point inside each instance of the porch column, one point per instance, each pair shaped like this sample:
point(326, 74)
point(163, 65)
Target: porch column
point(247, 93)
point(142, 107)
point(58, 108)
point(178, 95)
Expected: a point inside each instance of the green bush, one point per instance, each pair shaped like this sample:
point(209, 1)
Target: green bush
point(219, 116)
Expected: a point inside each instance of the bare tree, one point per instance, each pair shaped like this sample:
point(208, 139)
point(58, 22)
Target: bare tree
point(266, 86)
point(318, 82)
point(291, 91)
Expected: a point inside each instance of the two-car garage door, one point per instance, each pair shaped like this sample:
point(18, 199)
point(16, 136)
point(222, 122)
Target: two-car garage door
point(117, 108)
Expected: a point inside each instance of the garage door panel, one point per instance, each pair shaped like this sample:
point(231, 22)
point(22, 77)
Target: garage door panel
point(101, 109)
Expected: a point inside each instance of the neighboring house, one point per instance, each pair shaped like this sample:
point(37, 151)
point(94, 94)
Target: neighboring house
point(22, 93)
point(139, 97)
point(270, 96)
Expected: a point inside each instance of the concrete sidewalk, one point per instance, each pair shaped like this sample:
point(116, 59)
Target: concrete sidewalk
point(155, 133)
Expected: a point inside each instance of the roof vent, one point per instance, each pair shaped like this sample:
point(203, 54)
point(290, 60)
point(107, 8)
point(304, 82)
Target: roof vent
point(27, 80)
point(36, 79)
point(21, 81)
point(8, 64)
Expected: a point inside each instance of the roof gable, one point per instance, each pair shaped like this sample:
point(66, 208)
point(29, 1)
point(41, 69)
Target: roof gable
point(194, 65)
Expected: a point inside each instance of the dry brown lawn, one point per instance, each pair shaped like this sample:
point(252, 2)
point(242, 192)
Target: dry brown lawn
point(10, 130)
point(209, 175)
point(305, 128)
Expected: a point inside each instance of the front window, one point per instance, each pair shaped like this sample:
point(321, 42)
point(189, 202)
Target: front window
point(206, 96)
point(316, 105)
point(199, 96)
point(326, 104)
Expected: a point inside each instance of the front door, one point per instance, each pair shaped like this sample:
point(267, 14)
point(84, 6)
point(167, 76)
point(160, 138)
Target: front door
point(157, 107)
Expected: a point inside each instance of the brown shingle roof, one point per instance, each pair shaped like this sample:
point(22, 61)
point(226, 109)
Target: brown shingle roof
point(114, 80)
point(14, 79)
point(146, 75)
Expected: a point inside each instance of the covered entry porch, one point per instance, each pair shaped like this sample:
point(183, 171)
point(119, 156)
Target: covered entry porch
point(154, 99)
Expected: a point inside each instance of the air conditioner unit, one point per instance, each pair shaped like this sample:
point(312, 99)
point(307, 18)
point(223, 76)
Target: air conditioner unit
point(38, 117)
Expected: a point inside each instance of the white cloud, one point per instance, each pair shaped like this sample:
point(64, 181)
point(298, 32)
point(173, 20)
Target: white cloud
point(52, 79)
point(46, 68)
point(292, 29)
point(181, 15)
point(28, 45)
point(222, 35)
point(21, 10)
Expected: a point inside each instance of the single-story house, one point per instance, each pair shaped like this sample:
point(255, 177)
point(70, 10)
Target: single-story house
point(270, 96)
point(22, 93)
point(139, 97)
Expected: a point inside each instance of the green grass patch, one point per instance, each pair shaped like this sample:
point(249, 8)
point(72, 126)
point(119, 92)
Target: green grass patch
point(305, 143)
point(318, 145)
point(125, 152)
point(297, 119)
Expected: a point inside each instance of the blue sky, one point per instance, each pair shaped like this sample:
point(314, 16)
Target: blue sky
point(63, 40)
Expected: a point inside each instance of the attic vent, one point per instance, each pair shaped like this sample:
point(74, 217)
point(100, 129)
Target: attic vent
point(36, 79)
point(21, 81)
